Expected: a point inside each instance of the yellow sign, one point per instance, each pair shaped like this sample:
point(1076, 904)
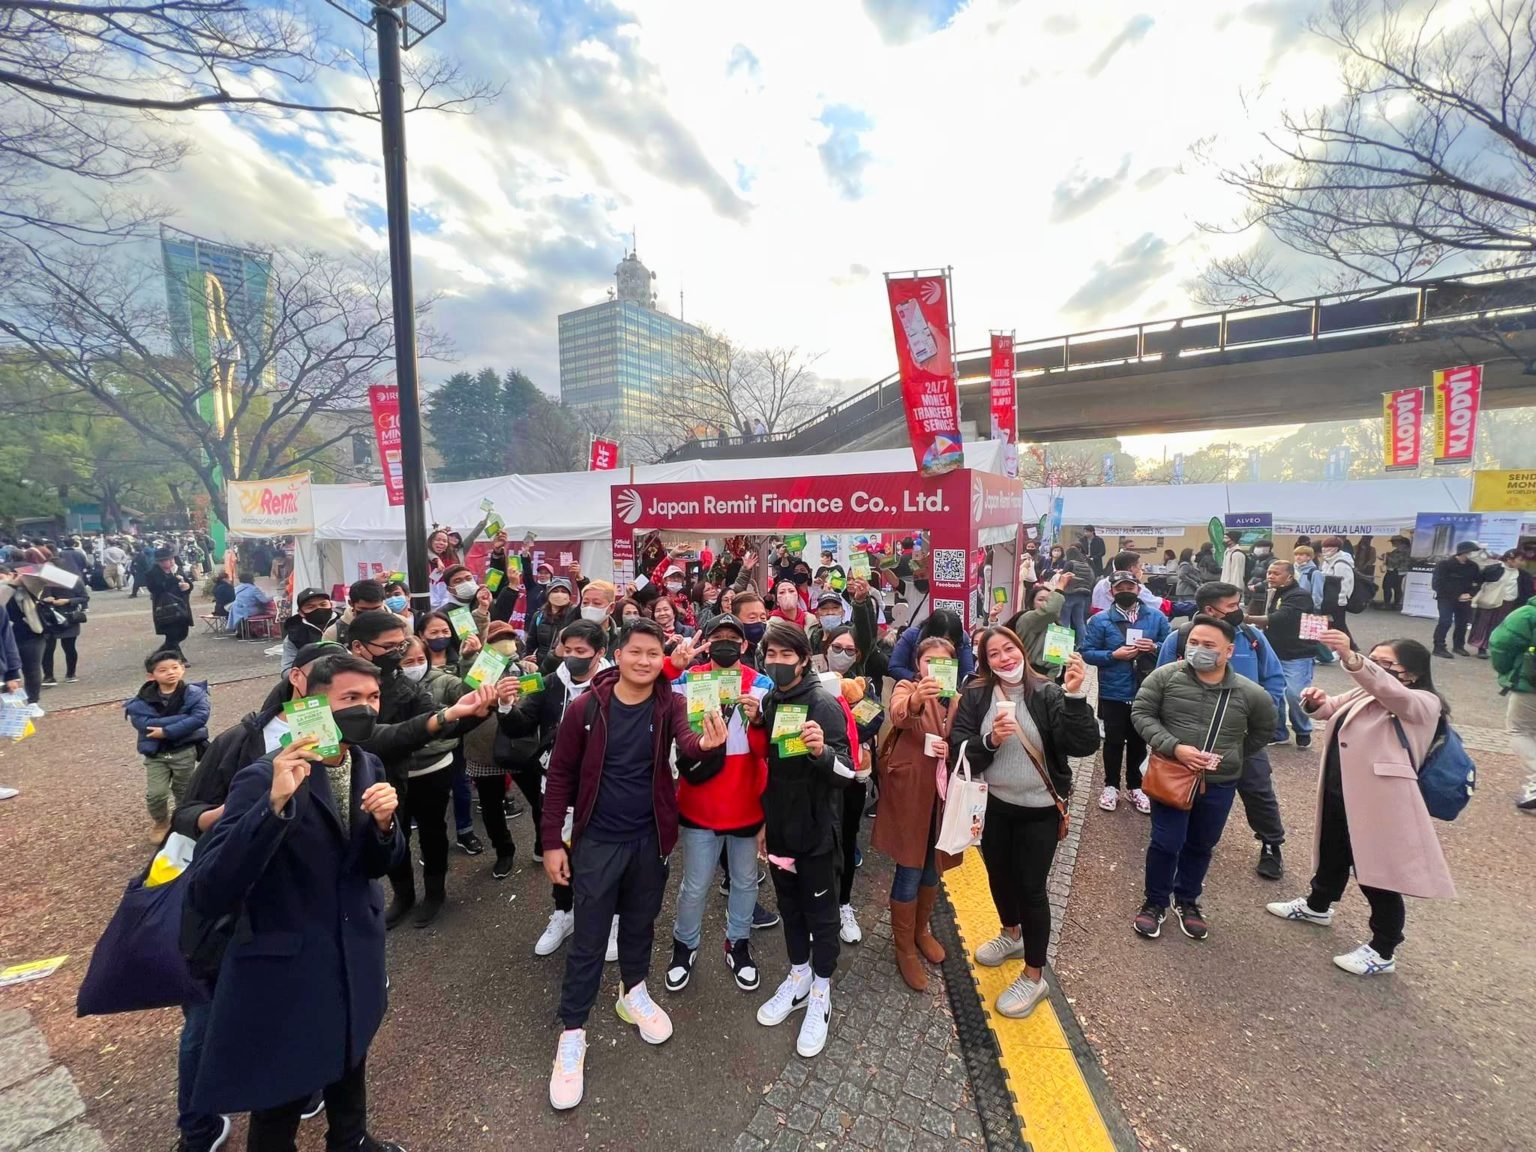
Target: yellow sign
point(278, 507)
point(1504, 490)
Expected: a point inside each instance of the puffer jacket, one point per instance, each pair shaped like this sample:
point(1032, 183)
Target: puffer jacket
point(445, 688)
point(1106, 632)
point(184, 717)
point(803, 802)
point(1512, 649)
point(1175, 707)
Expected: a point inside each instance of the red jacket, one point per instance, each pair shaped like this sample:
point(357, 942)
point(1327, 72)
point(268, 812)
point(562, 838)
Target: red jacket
point(723, 792)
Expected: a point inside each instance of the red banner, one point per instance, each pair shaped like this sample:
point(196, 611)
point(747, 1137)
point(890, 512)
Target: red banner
point(1458, 394)
point(605, 455)
point(1005, 417)
point(385, 402)
point(1403, 413)
point(920, 320)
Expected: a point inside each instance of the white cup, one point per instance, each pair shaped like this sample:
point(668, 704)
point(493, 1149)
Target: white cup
point(929, 742)
point(1006, 708)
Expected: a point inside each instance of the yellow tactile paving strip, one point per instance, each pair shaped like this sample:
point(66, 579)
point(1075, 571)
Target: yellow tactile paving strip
point(1052, 1099)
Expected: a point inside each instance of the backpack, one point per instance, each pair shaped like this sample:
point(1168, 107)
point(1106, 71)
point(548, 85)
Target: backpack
point(1448, 776)
point(1361, 595)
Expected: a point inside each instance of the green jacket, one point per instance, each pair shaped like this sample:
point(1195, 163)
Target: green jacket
point(1512, 649)
point(1030, 626)
point(1173, 707)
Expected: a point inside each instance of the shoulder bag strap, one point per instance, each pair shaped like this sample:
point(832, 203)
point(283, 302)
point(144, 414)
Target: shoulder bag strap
point(1403, 737)
point(1217, 717)
point(1029, 754)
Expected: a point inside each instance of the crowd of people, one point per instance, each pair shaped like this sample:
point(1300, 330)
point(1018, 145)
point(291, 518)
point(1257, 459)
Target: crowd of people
point(748, 711)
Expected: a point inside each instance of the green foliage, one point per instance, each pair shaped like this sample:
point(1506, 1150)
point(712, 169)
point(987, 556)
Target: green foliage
point(489, 425)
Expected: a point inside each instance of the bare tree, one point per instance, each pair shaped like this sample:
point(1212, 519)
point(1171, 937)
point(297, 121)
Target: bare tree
point(1426, 163)
point(558, 437)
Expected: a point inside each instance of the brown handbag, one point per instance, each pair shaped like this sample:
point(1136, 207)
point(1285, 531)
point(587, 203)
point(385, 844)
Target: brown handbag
point(1170, 782)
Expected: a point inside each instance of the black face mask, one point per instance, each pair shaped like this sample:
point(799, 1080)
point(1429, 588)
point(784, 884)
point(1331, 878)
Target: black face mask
point(1234, 617)
point(578, 666)
point(782, 675)
point(725, 653)
point(388, 664)
point(439, 643)
point(755, 631)
point(356, 724)
point(1126, 599)
point(801, 578)
point(319, 618)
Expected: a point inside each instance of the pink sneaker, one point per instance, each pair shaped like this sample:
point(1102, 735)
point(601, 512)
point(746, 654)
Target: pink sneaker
point(636, 1007)
point(1109, 799)
point(567, 1079)
point(1142, 801)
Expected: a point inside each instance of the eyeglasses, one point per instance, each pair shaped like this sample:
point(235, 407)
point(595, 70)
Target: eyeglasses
point(1389, 666)
point(391, 650)
point(848, 648)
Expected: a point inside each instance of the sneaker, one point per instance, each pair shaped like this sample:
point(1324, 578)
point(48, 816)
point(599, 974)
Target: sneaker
point(681, 968)
point(503, 866)
point(1299, 909)
point(850, 931)
point(738, 958)
point(1109, 799)
point(1303, 739)
point(50, 682)
point(7, 793)
point(1270, 866)
point(1191, 921)
point(370, 1144)
point(1142, 801)
point(227, 1127)
point(1149, 921)
point(470, 843)
point(1444, 653)
point(218, 1141)
point(538, 855)
point(613, 943)
point(1482, 654)
point(315, 1106)
point(512, 808)
point(818, 1017)
point(1019, 999)
point(1366, 961)
point(561, 925)
point(724, 887)
point(790, 997)
point(998, 949)
point(35, 711)
point(567, 1080)
point(858, 856)
point(76, 679)
point(763, 918)
point(1526, 803)
point(636, 1007)
point(1461, 651)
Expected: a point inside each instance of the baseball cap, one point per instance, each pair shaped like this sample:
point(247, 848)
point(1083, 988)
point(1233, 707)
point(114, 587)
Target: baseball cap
point(829, 598)
point(311, 652)
point(719, 622)
point(311, 594)
point(1467, 546)
point(1123, 578)
point(559, 582)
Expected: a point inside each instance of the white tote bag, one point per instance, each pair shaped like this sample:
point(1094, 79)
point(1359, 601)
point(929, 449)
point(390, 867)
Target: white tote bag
point(965, 809)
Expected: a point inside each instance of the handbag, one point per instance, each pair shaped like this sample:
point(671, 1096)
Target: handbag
point(171, 612)
point(1170, 782)
point(965, 810)
point(1064, 819)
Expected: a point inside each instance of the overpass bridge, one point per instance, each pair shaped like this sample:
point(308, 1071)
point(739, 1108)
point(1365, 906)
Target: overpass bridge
point(1328, 358)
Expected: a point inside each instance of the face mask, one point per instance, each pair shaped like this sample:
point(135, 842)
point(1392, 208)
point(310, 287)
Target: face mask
point(395, 603)
point(595, 614)
point(356, 724)
point(787, 603)
point(439, 643)
point(465, 590)
point(754, 631)
point(559, 599)
point(1202, 659)
point(802, 578)
point(319, 618)
point(1010, 675)
point(674, 586)
point(1126, 599)
point(1330, 551)
point(413, 672)
point(840, 661)
point(782, 675)
point(725, 653)
point(388, 664)
point(578, 666)
point(830, 622)
point(505, 647)
point(1234, 617)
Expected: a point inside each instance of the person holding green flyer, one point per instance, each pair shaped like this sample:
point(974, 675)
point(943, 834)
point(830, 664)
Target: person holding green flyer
point(940, 622)
point(1122, 643)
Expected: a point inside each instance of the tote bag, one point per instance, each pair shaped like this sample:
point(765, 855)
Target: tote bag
point(965, 810)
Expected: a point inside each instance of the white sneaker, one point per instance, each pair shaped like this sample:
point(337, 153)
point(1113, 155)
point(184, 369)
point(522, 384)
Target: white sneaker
point(561, 925)
point(1109, 799)
point(818, 1016)
point(35, 711)
point(636, 1007)
point(1019, 998)
point(1298, 909)
point(223, 1137)
point(998, 949)
point(567, 1079)
point(1142, 801)
point(1366, 961)
point(7, 793)
point(791, 996)
point(613, 943)
point(850, 932)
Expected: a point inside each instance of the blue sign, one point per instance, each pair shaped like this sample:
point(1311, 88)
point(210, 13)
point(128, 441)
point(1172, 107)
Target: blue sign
point(1058, 511)
point(1109, 467)
point(1251, 525)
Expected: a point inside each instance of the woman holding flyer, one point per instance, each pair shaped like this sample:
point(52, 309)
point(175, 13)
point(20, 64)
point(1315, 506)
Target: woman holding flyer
point(1018, 730)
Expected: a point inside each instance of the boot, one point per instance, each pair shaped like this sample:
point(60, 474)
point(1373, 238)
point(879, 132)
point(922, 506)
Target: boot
point(433, 903)
point(903, 914)
point(932, 950)
point(404, 884)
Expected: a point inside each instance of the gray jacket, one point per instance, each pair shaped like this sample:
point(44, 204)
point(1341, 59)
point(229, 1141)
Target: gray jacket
point(1174, 706)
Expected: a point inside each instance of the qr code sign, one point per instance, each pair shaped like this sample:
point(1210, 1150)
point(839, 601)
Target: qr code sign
point(955, 606)
point(949, 565)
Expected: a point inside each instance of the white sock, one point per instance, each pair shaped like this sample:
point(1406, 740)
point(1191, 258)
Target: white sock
point(823, 985)
point(800, 973)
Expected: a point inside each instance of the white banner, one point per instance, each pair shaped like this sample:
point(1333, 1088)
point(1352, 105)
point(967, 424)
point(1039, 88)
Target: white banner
point(371, 559)
point(1316, 528)
point(282, 506)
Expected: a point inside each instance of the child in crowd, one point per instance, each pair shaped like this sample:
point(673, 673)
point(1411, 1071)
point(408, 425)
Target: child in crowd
point(171, 718)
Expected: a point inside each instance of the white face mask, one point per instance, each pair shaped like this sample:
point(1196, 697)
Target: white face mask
point(594, 614)
point(1010, 675)
point(840, 661)
point(674, 587)
point(830, 622)
point(413, 672)
point(466, 590)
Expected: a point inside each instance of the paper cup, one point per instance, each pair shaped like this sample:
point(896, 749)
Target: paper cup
point(1006, 708)
point(929, 741)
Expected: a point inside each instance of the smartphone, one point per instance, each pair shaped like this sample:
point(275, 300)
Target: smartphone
point(920, 341)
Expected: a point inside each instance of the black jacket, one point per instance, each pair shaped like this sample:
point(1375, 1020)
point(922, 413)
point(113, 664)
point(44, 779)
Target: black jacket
point(803, 803)
point(404, 710)
point(162, 585)
point(1067, 727)
point(538, 716)
point(1286, 607)
point(1454, 579)
point(230, 751)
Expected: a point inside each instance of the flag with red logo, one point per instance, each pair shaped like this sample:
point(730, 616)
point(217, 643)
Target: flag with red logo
point(384, 400)
point(605, 455)
point(921, 322)
point(1403, 412)
point(1005, 419)
point(1458, 395)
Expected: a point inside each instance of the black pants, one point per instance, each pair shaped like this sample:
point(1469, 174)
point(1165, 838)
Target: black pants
point(1335, 857)
point(426, 802)
point(607, 879)
point(1392, 590)
point(1017, 847)
point(808, 903)
point(71, 655)
point(1121, 738)
point(30, 646)
point(527, 775)
point(346, 1117)
point(1256, 789)
point(853, 815)
point(171, 638)
point(1338, 620)
point(1455, 615)
point(493, 799)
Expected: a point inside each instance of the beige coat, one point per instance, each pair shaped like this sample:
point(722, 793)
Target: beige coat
point(1394, 842)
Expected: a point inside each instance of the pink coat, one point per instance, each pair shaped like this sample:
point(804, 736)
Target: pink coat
point(1394, 842)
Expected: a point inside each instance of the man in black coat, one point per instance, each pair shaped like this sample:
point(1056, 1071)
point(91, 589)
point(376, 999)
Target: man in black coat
point(1455, 581)
point(1288, 603)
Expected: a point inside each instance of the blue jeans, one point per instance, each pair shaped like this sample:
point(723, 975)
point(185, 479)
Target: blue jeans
point(1298, 675)
point(463, 821)
point(199, 1128)
point(906, 881)
point(701, 856)
point(1179, 852)
point(1074, 614)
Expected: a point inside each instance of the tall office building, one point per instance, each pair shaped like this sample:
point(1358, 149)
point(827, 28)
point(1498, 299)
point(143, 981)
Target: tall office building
point(618, 356)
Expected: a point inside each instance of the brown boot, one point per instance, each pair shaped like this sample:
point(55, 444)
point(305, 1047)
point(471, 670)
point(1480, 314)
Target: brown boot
point(903, 914)
point(932, 950)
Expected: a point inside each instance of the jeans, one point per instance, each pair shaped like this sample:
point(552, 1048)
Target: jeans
point(71, 655)
point(1455, 615)
point(463, 813)
point(1179, 852)
point(808, 903)
point(1256, 789)
point(346, 1117)
point(701, 852)
point(1392, 590)
point(1335, 857)
point(1121, 740)
point(906, 881)
point(198, 1128)
point(1074, 614)
point(853, 798)
point(1017, 847)
point(1298, 675)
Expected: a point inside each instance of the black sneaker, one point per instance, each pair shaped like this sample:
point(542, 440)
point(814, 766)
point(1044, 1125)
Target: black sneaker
point(50, 682)
point(1193, 922)
point(313, 1107)
point(470, 843)
point(1303, 739)
point(680, 970)
point(1461, 651)
point(369, 1144)
point(725, 884)
point(1270, 865)
point(763, 918)
point(512, 808)
point(1149, 921)
point(738, 958)
point(1444, 653)
point(76, 679)
point(503, 866)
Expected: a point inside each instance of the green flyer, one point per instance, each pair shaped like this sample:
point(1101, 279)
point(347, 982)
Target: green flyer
point(530, 684)
point(463, 623)
point(858, 565)
point(487, 668)
point(311, 716)
point(493, 578)
point(703, 694)
point(947, 673)
point(788, 720)
point(1060, 643)
point(866, 710)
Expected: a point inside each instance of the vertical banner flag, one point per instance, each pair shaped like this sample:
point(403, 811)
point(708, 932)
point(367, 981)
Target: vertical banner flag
point(605, 455)
point(1253, 465)
point(1005, 420)
point(921, 322)
point(1458, 394)
point(1178, 467)
point(1109, 467)
point(1403, 417)
point(384, 399)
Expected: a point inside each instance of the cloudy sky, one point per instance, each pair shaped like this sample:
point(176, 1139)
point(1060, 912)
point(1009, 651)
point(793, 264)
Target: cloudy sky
point(776, 159)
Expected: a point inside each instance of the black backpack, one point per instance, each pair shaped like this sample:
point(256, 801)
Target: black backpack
point(1360, 595)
